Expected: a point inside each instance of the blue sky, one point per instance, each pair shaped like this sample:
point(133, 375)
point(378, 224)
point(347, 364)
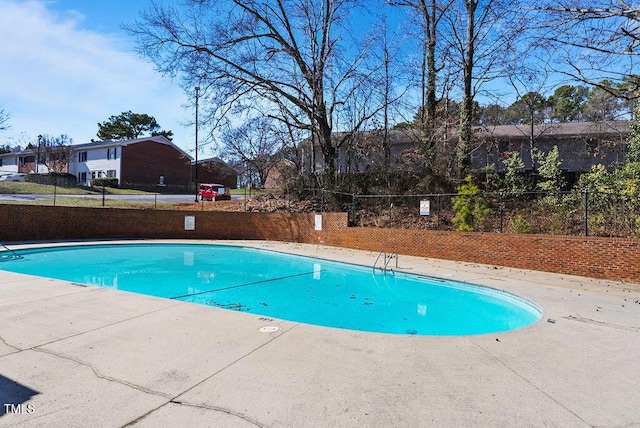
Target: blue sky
point(67, 65)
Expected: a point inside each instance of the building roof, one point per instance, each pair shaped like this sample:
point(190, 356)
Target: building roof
point(19, 153)
point(123, 143)
point(109, 143)
point(405, 136)
point(203, 161)
point(567, 130)
point(215, 160)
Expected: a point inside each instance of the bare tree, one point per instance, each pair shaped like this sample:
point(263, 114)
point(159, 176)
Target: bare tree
point(530, 107)
point(295, 59)
point(256, 143)
point(478, 34)
point(428, 14)
point(596, 41)
point(55, 152)
point(387, 82)
point(4, 119)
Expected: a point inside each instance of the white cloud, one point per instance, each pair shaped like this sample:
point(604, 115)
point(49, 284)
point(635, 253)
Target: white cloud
point(57, 78)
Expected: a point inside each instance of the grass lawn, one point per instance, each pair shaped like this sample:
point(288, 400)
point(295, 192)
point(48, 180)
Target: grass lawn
point(65, 198)
point(22, 188)
point(67, 201)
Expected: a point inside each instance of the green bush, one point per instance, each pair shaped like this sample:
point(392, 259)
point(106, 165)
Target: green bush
point(471, 210)
point(520, 224)
point(550, 171)
point(53, 178)
point(105, 182)
point(514, 178)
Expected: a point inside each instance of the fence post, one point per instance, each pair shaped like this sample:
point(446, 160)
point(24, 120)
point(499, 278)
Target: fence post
point(585, 193)
point(353, 207)
point(501, 211)
point(439, 211)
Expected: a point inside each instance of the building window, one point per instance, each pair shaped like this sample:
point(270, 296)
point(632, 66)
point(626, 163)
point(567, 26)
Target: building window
point(82, 157)
point(24, 160)
point(112, 153)
point(111, 173)
point(82, 177)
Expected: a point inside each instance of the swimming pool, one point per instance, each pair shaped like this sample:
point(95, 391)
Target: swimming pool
point(284, 286)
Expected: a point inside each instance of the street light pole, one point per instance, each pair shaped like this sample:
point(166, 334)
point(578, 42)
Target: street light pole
point(196, 173)
point(38, 157)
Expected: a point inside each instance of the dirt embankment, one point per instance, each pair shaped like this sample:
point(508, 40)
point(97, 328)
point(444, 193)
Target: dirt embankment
point(394, 217)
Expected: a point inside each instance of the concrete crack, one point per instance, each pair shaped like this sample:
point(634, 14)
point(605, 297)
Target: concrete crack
point(220, 409)
point(2, 340)
point(530, 383)
point(108, 325)
point(175, 400)
point(237, 360)
point(170, 398)
point(104, 377)
point(580, 318)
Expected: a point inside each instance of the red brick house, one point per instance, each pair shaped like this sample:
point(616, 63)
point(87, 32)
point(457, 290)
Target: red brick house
point(215, 170)
point(138, 164)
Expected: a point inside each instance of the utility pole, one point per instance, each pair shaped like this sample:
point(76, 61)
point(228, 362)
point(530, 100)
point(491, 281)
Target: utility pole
point(38, 157)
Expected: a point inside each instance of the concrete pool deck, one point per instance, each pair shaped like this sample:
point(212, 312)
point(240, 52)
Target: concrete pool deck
point(76, 356)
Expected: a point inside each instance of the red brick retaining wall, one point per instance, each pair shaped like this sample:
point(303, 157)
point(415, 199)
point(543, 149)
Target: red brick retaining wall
point(607, 258)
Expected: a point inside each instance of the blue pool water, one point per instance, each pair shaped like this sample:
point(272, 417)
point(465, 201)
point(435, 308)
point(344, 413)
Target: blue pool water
point(284, 286)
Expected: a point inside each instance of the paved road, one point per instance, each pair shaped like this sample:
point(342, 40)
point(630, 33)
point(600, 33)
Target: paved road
point(134, 198)
point(4, 197)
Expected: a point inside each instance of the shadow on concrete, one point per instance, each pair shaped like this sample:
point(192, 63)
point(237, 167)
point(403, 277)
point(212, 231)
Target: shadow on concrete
point(13, 393)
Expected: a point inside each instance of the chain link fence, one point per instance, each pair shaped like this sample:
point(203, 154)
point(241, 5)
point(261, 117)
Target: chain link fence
point(559, 213)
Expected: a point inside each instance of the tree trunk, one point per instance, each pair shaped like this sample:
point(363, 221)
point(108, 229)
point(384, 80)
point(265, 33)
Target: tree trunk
point(431, 81)
point(328, 154)
point(463, 151)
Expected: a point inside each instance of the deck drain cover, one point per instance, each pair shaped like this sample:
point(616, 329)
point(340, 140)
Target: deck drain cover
point(269, 329)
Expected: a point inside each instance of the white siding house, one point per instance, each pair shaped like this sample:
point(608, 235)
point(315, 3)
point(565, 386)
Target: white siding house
point(8, 163)
point(138, 163)
point(93, 160)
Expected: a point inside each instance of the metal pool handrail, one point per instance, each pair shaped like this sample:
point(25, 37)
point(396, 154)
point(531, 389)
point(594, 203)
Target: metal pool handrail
point(386, 259)
point(14, 255)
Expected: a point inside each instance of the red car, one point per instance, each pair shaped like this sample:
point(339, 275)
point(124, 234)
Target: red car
point(213, 192)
